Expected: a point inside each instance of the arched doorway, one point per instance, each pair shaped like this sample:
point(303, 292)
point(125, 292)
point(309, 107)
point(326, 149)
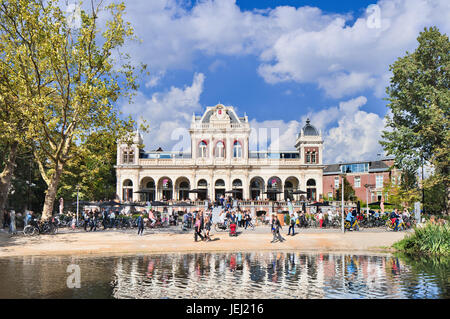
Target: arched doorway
point(237, 187)
point(256, 188)
point(274, 187)
point(148, 187)
point(311, 189)
point(166, 187)
point(127, 190)
point(182, 186)
point(290, 185)
point(202, 186)
point(219, 188)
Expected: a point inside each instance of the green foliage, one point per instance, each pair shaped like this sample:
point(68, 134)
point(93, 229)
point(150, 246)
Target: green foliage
point(349, 192)
point(432, 239)
point(68, 80)
point(93, 169)
point(417, 130)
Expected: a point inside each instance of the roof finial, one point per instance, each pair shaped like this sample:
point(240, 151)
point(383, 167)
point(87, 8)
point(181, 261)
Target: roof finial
point(307, 121)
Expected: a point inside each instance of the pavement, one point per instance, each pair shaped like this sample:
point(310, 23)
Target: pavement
point(174, 240)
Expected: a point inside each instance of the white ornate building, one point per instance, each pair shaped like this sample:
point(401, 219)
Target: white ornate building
point(220, 161)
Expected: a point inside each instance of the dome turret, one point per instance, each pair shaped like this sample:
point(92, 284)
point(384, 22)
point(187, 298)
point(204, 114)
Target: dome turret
point(309, 130)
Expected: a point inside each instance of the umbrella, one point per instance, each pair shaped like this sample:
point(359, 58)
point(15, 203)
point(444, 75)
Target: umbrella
point(299, 192)
point(158, 203)
point(379, 203)
point(84, 202)
point(144, 191)
point(183, 204)
point(318, 204)
point(273, 191)
point(234, 191)
point(134, 204)
point(109, 203)
point(198, 190)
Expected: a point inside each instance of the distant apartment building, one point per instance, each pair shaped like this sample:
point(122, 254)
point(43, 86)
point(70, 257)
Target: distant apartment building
point(367, 178)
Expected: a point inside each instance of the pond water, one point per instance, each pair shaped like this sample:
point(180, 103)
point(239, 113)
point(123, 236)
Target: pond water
point(224, 275)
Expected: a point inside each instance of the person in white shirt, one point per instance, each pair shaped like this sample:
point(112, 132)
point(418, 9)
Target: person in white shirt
point(320, 218)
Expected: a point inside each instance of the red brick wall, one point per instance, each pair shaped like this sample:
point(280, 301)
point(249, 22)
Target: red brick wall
point(360, 192)
point(312, 149)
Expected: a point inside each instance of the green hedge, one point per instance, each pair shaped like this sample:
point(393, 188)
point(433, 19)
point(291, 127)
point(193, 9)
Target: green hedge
point(432, 239)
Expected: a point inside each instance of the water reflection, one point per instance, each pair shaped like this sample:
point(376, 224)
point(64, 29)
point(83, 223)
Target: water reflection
point(226, 275)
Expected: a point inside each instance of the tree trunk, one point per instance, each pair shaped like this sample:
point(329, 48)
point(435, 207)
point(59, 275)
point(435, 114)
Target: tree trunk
point(6, 176)
point(50, 194)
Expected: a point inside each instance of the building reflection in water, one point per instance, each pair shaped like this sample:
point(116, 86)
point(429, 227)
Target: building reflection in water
point(261, 275)
point(221, 275)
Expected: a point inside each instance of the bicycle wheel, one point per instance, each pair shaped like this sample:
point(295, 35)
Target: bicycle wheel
point(388, 225)
point(346, 225)
point(29, 230)
point(53, 230)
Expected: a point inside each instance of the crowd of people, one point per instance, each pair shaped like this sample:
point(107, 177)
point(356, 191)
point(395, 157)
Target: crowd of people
point(201, 221)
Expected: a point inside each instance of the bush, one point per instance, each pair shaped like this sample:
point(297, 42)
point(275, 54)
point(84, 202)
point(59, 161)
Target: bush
point(432, 239)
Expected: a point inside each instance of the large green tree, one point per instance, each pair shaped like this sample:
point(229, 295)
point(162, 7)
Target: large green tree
point(417, 130)
point(349, 192)
point(72, 77)
point(92, 169)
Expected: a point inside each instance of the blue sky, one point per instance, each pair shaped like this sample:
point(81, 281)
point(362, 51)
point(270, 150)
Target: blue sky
point(277, 61)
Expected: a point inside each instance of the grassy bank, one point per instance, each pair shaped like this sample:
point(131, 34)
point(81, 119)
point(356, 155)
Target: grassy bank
point(429, 240)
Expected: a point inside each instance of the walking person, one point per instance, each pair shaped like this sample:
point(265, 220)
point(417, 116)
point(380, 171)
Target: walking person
point(292, 222)
point(239, 218)
point(208, 224)
point(320, 218)
point(197, 228)
point(12, 222)
point(152, 218)
point(276, 226)
point(86, 219)
point(104, 218)
point(112, 218)
point(74, 222)
point(140, 224)
point(93, 221)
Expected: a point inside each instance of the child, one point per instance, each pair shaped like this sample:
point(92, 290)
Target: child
point(74, 221)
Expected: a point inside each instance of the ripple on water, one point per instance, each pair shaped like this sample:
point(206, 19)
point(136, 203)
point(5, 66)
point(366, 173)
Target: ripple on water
point(230, 275)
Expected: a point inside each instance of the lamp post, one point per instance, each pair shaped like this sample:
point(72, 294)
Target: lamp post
point(342, 203)
point(368, 187)
point(78, 189)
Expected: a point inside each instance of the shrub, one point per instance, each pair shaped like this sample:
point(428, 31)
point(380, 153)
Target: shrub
point(432, 239)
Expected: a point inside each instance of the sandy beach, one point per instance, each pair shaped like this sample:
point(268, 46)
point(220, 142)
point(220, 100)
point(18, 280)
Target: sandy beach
point(125, 242)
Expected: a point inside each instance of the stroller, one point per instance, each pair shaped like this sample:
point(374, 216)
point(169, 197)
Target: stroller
point(233, 229)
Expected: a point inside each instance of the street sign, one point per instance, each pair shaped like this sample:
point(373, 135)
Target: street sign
point(417, 211)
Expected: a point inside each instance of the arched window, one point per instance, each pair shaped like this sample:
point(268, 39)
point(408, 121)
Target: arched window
point(203, 190)
point(127, 190)
point(311, 189)
point(203, 149)
point(237, 183)
point(220, 150)
point(237, 150)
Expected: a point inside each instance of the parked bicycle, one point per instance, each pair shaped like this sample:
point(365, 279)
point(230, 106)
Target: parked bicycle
point(37, 227)
point(390, 226)
point(354, 225)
